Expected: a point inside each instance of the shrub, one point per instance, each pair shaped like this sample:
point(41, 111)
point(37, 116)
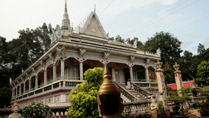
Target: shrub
point(37, 110)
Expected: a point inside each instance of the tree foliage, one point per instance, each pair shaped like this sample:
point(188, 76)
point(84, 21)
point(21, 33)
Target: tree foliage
point(200, 48)
point(37, 110)
point(84, 99)
point(203, 73)
point(170, 51)
point(18, 54)
point(180, 100)
point(168, 44)
point(205, 92)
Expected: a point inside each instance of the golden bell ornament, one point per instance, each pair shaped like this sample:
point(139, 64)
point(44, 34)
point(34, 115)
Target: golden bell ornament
point(108, 97)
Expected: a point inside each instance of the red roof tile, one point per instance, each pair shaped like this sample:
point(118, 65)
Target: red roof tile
point(185, 84)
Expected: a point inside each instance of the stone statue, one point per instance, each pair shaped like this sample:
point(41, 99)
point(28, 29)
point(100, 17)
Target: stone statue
point(15, 108)
point(158, 52)
point(153, 108)
point(135, 43)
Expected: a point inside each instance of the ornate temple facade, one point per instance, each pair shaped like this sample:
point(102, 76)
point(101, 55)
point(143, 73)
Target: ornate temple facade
point(72, 52)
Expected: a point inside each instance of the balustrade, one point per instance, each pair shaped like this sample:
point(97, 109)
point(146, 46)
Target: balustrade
point(53, 85)
point(136, 108)
point(140, 90)
point(125, 92)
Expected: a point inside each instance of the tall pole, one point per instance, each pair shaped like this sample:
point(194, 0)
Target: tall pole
point(161, 83)
point(178, 78)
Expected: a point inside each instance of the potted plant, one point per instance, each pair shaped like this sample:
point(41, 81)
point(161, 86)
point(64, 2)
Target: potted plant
point(205, 105)
point(161, 113)
point(180, 98)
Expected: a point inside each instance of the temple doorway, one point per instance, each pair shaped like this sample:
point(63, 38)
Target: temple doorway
point(127, 75)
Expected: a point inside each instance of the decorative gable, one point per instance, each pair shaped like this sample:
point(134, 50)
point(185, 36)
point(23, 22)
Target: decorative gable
point(93, 27)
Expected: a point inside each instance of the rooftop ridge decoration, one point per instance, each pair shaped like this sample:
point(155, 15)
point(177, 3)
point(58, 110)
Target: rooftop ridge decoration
point(120, 43)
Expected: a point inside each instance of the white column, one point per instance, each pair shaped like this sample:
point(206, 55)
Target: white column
point(45, 77)
point(81, 70)
point(24, 87)
point(13, 93)
point(54, 72)
point(147, 74)
point(36, 80)
point(131, 73)
point(113, 75)
point(29, 84)
point(16, 92)
point(20, 89)
point(62, 69)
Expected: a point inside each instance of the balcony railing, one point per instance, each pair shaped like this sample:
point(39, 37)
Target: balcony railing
point(153, 80)
point(53, 85)
point(139, 80)
point(142, 84)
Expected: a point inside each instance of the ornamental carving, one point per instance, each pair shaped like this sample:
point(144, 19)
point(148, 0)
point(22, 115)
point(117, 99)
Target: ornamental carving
point(50, 57)
point(132, 58)
point(61, 51)
point(41, 63)
point(33, 70)
point(176, 67)
point(106, 55)
point(159, 66)
point(82, 52)
point(147, 61)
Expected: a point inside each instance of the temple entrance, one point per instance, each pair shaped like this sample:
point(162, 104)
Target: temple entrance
point(139, 73)
point(119, 72)
point(127, 75)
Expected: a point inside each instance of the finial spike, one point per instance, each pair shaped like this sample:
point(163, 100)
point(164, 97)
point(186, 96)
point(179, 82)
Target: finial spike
point(65, 5)
point(94, 8)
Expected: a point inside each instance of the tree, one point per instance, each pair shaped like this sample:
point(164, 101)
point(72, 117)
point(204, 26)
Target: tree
point(84, 99)
point(188, 67)
point(37, 110)
point(5, 92)
point(119, 39)
point(170, 50)
point(139, 43)
point(201, 48)
point(203, 73)
point(180, 100)
point(27, 48)
point(19, 54)
point(205, 92)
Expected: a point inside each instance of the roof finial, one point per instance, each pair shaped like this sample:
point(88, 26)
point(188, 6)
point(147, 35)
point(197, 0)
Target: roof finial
point(65, 5)
point(94, 8)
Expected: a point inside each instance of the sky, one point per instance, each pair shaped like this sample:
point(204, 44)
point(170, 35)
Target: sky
point(185, 19)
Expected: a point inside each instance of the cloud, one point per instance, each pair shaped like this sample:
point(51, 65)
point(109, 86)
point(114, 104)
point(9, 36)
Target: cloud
point(167, 2)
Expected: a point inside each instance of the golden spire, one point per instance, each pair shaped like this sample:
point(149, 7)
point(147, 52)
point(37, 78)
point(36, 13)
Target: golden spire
point(107, 87)
point(108, 97)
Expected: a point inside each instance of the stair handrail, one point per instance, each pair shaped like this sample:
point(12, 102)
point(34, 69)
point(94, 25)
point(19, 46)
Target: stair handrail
point(125, 92)
point(139, 89)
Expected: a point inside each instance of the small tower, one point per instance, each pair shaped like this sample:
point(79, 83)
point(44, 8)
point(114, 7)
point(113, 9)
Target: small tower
point(65, 20)
point(178, 78)
point(161, 83)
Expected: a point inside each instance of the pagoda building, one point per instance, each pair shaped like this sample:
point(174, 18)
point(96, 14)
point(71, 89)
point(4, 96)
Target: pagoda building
point(74, 50)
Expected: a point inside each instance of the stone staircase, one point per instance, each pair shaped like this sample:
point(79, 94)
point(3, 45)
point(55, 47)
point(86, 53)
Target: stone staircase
point(136, 94)
point(132, 93)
